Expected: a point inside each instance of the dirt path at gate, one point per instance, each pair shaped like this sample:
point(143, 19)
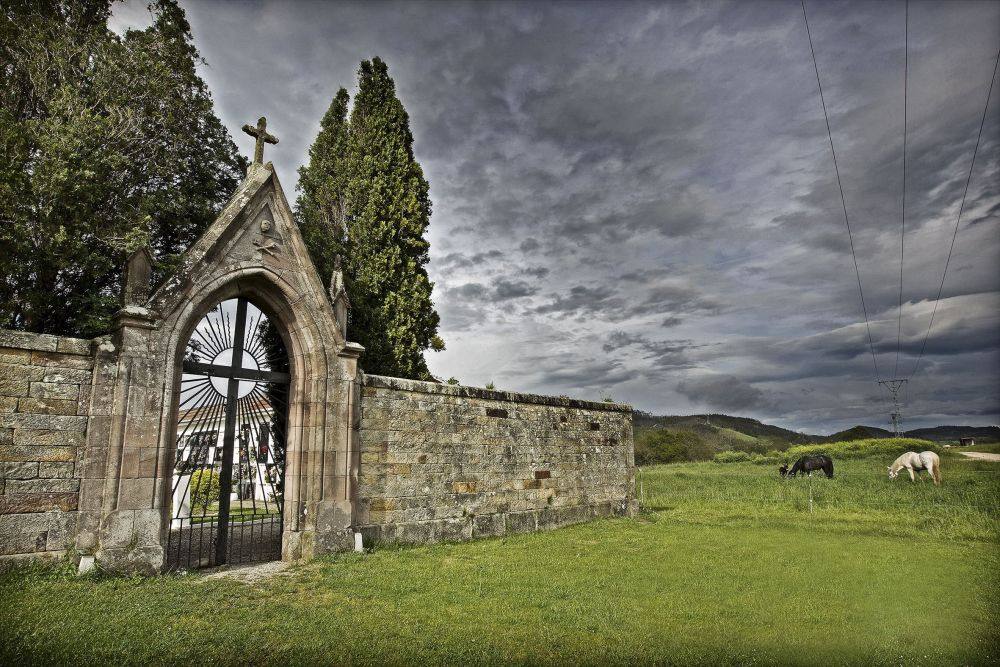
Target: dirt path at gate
point(250, 574)
point(982, 456)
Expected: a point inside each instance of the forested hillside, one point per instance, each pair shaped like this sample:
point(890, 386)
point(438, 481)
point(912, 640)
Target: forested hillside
point(671, 438)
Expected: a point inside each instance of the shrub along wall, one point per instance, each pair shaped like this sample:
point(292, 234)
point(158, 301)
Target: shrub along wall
point(849, 449)
point(44, 400)
point(859, 449)
point(443, 462)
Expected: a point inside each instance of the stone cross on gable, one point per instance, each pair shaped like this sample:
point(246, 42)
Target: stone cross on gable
point(261, 135)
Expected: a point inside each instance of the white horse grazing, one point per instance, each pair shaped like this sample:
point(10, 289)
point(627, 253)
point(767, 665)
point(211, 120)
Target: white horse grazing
point(912, 461)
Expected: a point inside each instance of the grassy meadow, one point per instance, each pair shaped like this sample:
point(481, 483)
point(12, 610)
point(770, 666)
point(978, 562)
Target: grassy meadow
point(726, 565)
point(860, 499)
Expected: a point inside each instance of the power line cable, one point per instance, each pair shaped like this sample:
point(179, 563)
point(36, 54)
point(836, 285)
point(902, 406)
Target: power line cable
point(958, 222)
point(843, 200)
point(902, 233)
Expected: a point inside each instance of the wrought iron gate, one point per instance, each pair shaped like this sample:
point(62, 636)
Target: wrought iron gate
point(228, 479)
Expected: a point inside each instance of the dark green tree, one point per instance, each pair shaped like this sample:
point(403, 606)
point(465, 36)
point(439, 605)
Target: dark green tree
point(364, 196)
point(107, 143)
point(388, 210)
point(197, 165)
point(320, 208)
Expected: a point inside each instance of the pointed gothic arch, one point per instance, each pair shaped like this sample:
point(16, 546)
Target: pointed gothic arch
point(252, 251)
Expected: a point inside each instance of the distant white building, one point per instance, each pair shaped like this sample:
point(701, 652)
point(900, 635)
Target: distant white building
point(200, 442)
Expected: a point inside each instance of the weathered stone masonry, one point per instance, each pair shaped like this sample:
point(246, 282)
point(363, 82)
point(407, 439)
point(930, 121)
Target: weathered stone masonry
point(45, 384)
point(88, 428)
point(442, 462)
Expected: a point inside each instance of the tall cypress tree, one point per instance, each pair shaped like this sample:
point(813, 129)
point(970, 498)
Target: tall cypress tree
point(388, 210)
point(321, 207)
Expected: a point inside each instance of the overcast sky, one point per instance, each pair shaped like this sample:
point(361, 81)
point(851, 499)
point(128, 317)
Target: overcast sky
point(639, 199)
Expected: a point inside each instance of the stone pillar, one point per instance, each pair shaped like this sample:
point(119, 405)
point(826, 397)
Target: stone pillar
point(132, 510)
point(335, 517)
point(94, 466)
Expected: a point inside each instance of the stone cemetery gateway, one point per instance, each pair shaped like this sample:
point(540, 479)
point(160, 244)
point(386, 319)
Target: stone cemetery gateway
point(225, 419)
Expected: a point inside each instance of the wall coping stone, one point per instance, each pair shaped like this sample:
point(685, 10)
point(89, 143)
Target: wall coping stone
point(27, 340)
point(421, 387)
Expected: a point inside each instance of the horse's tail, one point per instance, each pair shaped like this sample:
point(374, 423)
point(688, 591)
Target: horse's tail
point(936, 472)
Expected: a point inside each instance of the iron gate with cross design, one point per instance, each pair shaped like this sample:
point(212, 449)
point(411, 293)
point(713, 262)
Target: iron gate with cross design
point(227, 497)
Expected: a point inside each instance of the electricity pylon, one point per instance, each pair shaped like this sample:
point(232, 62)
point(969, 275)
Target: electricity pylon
point(896, 416)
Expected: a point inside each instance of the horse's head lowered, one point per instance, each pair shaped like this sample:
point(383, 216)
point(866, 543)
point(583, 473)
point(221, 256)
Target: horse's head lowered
point(892, 473)
point(783, 470)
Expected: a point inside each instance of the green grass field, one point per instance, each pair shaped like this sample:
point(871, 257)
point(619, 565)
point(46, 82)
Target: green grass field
point(859, 500)
point(727, 566)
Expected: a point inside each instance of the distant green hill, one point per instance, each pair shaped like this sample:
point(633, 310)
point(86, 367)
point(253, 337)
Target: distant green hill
point(668, 438)
point(664, 439)
point(939, 433)
point(717, 424)
point(857, 433)
point(933, 433)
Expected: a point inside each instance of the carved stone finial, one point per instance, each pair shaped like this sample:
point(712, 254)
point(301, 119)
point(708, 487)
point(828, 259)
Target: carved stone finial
point(337, 280)
point(261, 135)
point(338, 296)
point(138, 268)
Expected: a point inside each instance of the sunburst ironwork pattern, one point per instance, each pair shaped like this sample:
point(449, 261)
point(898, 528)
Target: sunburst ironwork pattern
point(227, 495)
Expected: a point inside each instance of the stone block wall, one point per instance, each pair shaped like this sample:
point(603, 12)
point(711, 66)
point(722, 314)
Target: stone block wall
point(432, 462)
point(44, 400)
point(441, 462)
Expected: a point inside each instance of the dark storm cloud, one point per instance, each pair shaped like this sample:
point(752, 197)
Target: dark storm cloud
point(656, 297)
point(467, 292)
point(620, 339)
point(581, 300)
point(501, 290)
point(512, 289)
point(603, 173)
point(536, 271)
point(657, 354)
point(581, 374)
point(674, 297)
point(723, 392)
point(457, 260)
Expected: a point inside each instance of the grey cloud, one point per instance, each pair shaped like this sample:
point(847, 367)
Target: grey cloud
point(643, 275)
point(723, 392)
point(675, 297)
point(581, 299)
point(459, 314)
point(512, 289)
point(656, 354)
point(536, 271)
point(467, 291)
point(457, 260)
point(577, 374)
point(604, 172)
point(620, 339)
